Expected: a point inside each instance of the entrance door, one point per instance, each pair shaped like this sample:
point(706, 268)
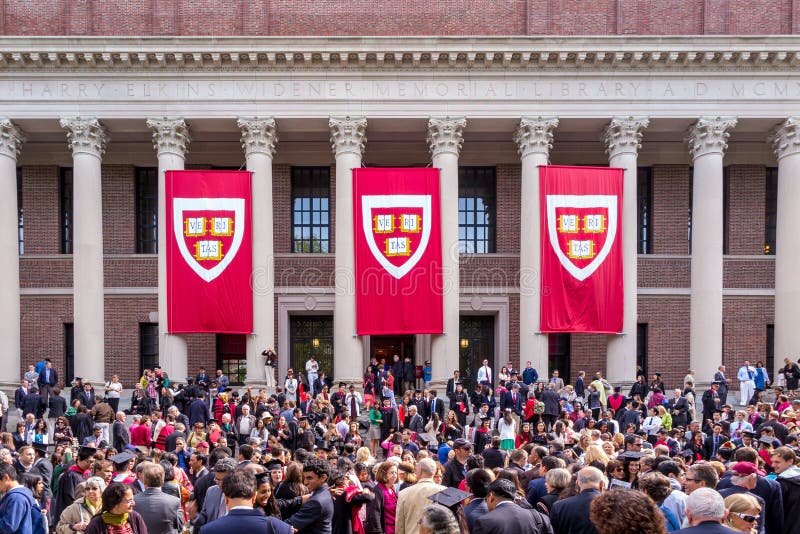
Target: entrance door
point(385, 347)
point(476, 343)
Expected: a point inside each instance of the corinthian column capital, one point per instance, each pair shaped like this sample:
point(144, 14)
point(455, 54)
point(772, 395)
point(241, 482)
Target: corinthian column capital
point(709, 135)
point(259, 135)
point(170, 136)
point(535, 135)
point(11, 138)
point(446, 135)
point(85, 136)
point(348, 135)
point(785, 138)
point(623, 135)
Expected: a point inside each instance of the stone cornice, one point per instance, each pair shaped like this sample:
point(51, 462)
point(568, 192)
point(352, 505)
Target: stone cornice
point(405, 53)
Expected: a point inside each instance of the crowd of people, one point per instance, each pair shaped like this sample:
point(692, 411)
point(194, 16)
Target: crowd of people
point(504, 452)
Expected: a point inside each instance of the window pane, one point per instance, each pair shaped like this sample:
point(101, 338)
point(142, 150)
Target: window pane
point(65, 189)
point(310, 217)
point(477, 200)
point(146, 187)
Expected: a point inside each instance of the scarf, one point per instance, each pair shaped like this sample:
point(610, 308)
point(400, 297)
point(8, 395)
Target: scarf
point(114, 519)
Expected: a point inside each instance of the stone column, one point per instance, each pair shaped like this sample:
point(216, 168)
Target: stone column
point(348, 138)
point(170, 139)
point(622, 138)
point(87, 141)
point(534, 137)
point(707, 143)
point(258, 140)
point(445, 137)
point(786, 143)
point(11, 138)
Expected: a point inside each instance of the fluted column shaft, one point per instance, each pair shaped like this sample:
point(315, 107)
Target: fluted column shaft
point(258, 140)
point(445, 137)
point(87, 141)
point(11, 138)
point(170, 139)
point(786, 143)
point(707, 144)
point(622, 138)
point(534, 138)
point(348, 139)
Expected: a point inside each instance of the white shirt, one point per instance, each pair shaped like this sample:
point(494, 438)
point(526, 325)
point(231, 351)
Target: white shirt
point(651, 425)
point(484, 374)
point(746, 373)
point(312, 367)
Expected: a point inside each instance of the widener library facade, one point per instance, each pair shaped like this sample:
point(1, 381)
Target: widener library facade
point(706, 128)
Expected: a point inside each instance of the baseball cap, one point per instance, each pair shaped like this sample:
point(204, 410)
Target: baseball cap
point(746, 468)
point(461, 443)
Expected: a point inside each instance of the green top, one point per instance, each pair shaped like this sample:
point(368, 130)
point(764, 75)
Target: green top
point(375, 416)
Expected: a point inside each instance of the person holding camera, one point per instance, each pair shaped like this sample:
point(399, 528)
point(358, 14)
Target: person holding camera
point(270, 361)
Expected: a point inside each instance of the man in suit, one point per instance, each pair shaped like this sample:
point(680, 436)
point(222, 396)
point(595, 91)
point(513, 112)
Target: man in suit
point(47, 380)
point(161, 512)
point(212, 502)
point(557, 380)
point(43, 468)
point(413, 499)
point(512, 399)
point(434, 405)
point(415, 423)
point(239, 491)
point(120, 436)
point(19, 397)
point(705, 512)
point(720, 377)
point(33, 403)
point(571, 515)
point(713, 442)
point(316, 515)
point(507, 516)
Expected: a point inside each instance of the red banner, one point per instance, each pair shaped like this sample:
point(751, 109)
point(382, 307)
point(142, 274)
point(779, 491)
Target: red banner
point(209, 252)
point(398, 251)
point(581, 225)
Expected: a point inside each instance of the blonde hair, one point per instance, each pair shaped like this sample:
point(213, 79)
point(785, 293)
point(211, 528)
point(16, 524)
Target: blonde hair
point(595, 453)
point(363, 455)
point(740, 503)
point(661, 410)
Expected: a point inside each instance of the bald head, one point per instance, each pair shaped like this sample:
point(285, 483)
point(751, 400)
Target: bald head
point(591, 478)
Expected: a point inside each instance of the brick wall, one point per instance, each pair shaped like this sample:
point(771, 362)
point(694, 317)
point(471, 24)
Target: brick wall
point(670, 193)
point(122, 318)
point(744, 336)
point(41, 201)
point(119, 209)
point(42, 328)
point(746, 209)
point(508, 208)
point(412, 17)
point(587, 353)
point(667, 337)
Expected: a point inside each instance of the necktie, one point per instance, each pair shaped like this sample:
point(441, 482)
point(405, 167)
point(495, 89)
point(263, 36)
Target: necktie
point(433, 406)
point(353, 407)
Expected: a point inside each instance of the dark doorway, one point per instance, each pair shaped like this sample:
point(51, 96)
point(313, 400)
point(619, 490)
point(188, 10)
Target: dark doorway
point(476, 343)
point(558, 355)
point(69, 352)
point(311, 335)
point(385, 347)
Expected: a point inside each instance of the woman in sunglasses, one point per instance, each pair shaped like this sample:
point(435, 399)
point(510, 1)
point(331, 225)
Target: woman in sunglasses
point(743, 511)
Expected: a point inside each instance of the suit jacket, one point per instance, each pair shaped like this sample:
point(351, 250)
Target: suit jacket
point(507, 401)
point(415, 424)
point(241, 520)
point(438, 408)
point(211, 506)
point(474, 510)
point(33, 403)
point(161, 512)
point(723, 383)
point(410, 503)
point(316, 515)
point(19, 397)
point(571, 516)
point(53, 378)
point(707, 527)
point(507, 517)
point(120, 435)
point(708, 445)
point(44, 469)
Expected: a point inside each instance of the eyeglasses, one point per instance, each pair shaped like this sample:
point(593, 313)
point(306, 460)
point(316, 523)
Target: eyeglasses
point(687, 479)
point(747, 517)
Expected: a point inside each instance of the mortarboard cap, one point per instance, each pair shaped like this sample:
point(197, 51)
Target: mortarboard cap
point(39, 447)
point(122, 458)
point(449, 497)
point(86, 452)
point(630, 455)
point(274, 465)
point(262, 478)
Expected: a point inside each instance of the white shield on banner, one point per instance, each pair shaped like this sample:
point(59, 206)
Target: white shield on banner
point(396, 202)
point(608, 202)
point(210, 206)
